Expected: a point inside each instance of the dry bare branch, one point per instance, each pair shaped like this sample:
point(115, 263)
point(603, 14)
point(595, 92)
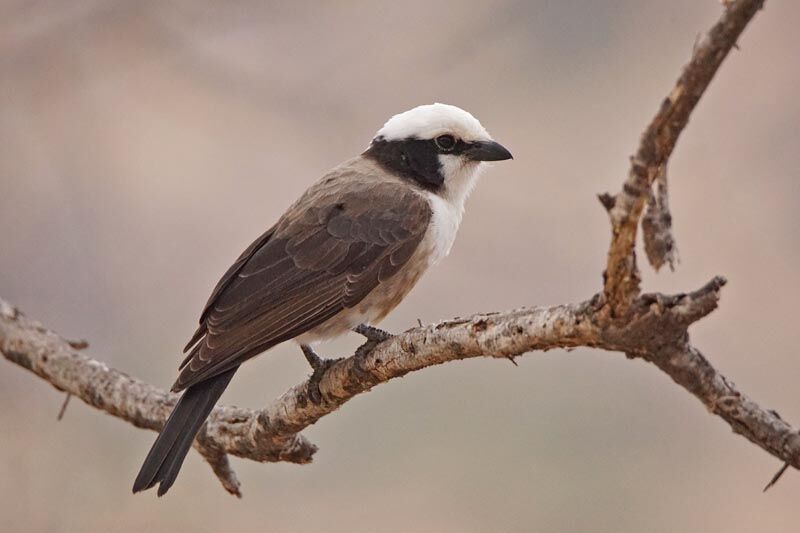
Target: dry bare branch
point(658, 141)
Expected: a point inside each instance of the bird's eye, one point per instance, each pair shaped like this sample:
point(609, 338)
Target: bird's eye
point(445, 142)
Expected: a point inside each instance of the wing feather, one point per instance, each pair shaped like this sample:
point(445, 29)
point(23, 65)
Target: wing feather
point(346, 235)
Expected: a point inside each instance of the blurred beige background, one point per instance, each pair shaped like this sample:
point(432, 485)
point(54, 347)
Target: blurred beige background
point(144, 144)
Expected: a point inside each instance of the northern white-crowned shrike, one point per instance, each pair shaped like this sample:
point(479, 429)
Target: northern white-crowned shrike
point(344, 255)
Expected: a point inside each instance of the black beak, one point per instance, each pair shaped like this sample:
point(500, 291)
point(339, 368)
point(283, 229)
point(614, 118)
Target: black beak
point(487, 151)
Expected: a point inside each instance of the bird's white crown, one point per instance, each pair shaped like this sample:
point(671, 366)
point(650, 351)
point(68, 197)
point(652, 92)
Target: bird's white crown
point(431, 120)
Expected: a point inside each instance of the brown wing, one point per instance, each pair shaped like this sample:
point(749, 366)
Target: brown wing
point(346, 235)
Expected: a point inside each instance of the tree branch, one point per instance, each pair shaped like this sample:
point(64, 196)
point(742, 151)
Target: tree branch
point(653, 327)
point(656, 331)
point(53, 358)
point(658, 141)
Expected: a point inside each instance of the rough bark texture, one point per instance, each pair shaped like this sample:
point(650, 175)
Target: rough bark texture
point(659, 243)
point(653, 327)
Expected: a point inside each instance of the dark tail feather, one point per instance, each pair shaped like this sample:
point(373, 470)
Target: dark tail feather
point(170, 448)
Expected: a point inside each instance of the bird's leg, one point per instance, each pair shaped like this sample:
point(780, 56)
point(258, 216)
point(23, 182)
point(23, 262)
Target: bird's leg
point(319, 365)
point(311, 356)
point(372, 333)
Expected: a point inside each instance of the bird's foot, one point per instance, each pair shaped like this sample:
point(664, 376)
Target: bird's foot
point(372, 333)
point(374, 337)
point(320, 366)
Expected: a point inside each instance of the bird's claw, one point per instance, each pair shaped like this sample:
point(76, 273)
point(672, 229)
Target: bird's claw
point(372, 333)
point(319, 365)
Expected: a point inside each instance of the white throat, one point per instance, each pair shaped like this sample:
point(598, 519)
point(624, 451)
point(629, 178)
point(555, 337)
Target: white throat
point(448, 204)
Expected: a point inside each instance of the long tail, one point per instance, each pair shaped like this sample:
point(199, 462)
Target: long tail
point(170, 448)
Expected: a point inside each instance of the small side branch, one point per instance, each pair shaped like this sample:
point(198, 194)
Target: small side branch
point(622, 277)
point(64, 405)
point(692, 371)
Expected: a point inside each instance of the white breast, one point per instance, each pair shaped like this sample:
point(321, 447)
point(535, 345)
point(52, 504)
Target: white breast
point(445, 220)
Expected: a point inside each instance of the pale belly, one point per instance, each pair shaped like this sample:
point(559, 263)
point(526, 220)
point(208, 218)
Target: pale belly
point(378, 303)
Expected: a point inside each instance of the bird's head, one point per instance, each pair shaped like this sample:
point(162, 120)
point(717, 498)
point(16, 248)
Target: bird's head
point(438, 146)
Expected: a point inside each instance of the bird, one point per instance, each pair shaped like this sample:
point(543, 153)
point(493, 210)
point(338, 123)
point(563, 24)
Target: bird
point(339, 259)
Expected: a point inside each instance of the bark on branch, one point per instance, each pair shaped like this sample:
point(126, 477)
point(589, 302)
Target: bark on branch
point(653, 327)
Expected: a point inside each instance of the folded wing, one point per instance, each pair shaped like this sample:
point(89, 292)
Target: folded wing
point(344, 237)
